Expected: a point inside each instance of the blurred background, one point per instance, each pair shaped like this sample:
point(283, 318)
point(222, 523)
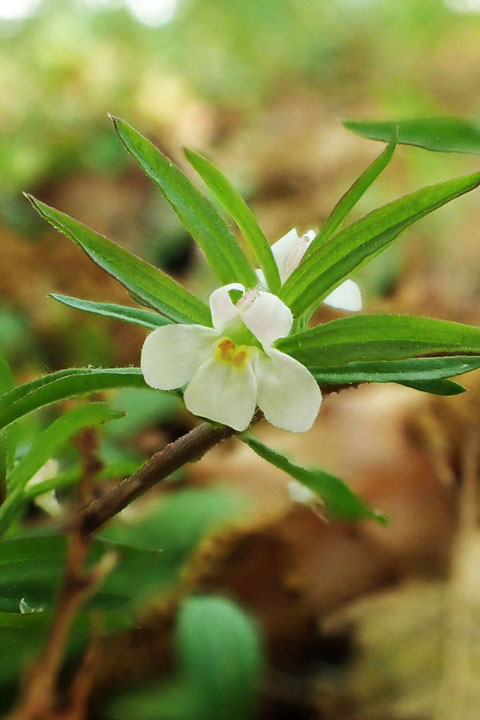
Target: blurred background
point(356, 621)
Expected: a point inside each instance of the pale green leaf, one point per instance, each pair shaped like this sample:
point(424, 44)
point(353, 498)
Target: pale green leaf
point(442, 134)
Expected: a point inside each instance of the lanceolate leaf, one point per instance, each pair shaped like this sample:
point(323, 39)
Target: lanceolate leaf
point(136, 316)
point(46, 445)
point(222, 251)
point(62, 385)
point(353, 195)
point(322, 271)
point(340, 502)
point(443, 134)
point(233, 203)
point(381, 371)
point(437, 387)
point(380, 337)
point(153, 286)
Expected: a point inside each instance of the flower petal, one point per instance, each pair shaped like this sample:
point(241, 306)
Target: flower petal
point(346, 296)
point(289, 251)
point(267, 317)
point(172, 353)
point(282, 247)
point(287, 392)
point(222, 308)
point(220, 392)
point(261, 277)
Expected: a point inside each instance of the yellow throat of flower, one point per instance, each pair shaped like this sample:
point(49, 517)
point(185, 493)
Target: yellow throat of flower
point(226, 351)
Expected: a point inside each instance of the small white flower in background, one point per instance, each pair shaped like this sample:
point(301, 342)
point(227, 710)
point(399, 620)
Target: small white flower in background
point(231, 368)
point(27, 609)
point(288, 253)
point(46, 501)
point(300, 494)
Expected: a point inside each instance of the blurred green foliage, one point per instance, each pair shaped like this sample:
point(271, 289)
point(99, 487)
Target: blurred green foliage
point(246, 78)
point(62, 69)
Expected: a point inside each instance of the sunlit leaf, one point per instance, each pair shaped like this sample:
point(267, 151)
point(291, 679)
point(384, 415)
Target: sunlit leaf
point(339, 501)
point(62, 385)
point(362, 338)
point(46, 445)
point(153, 286)
point(443, 134)
point(353, 195)
point(136, 316)
point(221, 249)
point(234, 204)
point(325, 268)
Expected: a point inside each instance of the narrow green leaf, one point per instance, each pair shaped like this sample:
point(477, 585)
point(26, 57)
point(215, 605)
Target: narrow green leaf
point(442, 134)
point(49, 442)
point(330, 264)
point(147, 282)
point(384, 371)
point(46, 446)
point(145, 318)
point(353, 195)
point(234, 204)
point(62, 385)
point(362, 338)
point(340, 502)
point(436, 387)
point(62, 480)
point(67, 478)
point(221, 249)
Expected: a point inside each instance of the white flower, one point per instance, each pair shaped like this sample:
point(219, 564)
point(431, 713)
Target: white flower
point(231, 368)
point(288, 253)
point(46, 501)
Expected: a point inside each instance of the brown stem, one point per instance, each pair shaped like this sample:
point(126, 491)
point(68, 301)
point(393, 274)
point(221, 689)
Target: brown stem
point(186, 449)
point(189, 448)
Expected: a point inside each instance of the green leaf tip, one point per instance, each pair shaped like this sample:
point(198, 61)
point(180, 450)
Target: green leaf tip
point(324, 269)
point(155, 288)
point(348, 201)
point(340, 502)
point(241, 213)
point(201, 219)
